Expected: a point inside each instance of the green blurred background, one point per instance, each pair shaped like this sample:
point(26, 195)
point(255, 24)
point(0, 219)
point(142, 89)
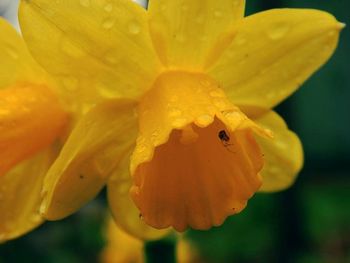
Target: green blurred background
point(305, 224)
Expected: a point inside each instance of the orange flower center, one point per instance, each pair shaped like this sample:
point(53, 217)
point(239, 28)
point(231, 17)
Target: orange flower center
point(196, 160)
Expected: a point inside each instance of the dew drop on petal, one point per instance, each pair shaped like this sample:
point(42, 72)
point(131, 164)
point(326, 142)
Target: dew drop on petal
point(174, 112)
point(134, 27)
point(278, 31)
point(217, 14)
point(216, 93)
point(85, 3)
point(108, 23)
point(155, 137)
point(219, 103)
point(106, 91)
point(205, 82)
point(179, 122)
point(70, 49)
point(204, 120)
point(35, 218)
point(108, 8)
point(140, 148)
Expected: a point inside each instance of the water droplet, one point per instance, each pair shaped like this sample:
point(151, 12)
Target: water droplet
point(205, 82)
point(217, 93)
point(233, 116)
point(179, 122)
point(85, 3)
point(108, 23)
point(217, 14)
point(140, 148)
point(85, 108)
point(278, 31)
point(35, 218)
point(134, 27)
point(44, 193)
point(204, 120)
point(155, 137)
point(71, 49)
point(106, 91)
point(174, 112)
point(219, 103)
point(108, 8)
point(70, 83)
point(42, 208)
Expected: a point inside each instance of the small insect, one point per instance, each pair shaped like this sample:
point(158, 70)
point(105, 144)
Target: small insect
point(225, 139)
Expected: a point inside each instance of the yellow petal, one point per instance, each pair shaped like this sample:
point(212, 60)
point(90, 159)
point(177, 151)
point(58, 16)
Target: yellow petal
point(92, 151)
point(31, 119)
point(124, 211)
point(283, 154)
point(20, 196)
point(273, 53)
point(121, 247)
point(95, 49)
point(16, 63)
point(185, 32)
point(195, 162)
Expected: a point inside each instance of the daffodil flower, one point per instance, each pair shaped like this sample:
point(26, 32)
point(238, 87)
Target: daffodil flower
point(31, 121)
point(178, 103)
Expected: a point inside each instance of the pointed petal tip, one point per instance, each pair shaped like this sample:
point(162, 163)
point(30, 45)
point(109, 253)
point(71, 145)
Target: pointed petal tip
point(341, 25)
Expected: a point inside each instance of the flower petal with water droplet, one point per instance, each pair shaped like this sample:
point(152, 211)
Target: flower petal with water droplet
point(262, 67)
point(186, 35)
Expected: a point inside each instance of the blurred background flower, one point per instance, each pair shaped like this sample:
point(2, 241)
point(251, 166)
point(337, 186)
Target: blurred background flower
point(307, 223)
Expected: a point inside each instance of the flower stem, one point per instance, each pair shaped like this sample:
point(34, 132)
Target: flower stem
point(161, 251)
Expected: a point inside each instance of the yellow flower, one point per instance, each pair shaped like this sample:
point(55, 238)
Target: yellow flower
point(31, 120)
point(121, 247)
point(180, 98)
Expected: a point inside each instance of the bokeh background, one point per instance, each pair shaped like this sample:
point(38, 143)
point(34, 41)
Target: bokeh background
point(308, 223)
